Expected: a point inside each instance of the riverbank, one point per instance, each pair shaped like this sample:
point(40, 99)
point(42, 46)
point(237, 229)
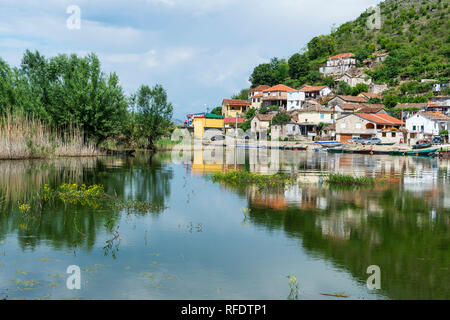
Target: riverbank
point(24, 138)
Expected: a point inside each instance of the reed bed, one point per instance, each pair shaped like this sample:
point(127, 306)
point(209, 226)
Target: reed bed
point(27, 138)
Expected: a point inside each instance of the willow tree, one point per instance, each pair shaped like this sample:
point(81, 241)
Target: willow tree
point(154, 112)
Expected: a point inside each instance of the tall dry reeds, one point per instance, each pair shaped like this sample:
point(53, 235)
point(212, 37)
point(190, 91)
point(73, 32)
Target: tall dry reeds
point(22, 137)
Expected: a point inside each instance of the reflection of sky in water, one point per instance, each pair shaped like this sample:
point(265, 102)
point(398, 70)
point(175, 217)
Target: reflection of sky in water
point(203, 247)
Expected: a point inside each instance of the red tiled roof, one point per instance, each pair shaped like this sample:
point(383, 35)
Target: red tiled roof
point(264, 117)
point(380, 118)
point(316, 108)
point(353, 99)
point(435, 116)
point(279, 87)
point(234, 102)
point(312, 88)
point(342, 56)
point(233, 120)
point(371, 109)
point(259, 88)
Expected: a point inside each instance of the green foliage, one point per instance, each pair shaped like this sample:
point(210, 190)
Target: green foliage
point(263, 110)
point(242, 95)
point(342, 179)
point(245, 178)
point(250, 113)
point(298, 66)
point(246, 125)
point(344, 89)
point(281, 118)
point(217, 111)
point(153, 112)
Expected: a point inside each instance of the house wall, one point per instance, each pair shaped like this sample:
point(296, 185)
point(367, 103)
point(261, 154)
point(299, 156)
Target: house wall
point(354, 125)
point(257, 125)
point(419, 123)
point(353, 81)
point(316, 117)
point(201, 124)
point(295, 100)
point(231, 111)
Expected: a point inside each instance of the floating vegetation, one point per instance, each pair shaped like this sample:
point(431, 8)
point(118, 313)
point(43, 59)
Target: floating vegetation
point(245, 178)
point(138, 206)
point(293, 288)
point(347, 180)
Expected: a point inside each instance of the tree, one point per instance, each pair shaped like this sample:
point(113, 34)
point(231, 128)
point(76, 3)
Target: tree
point(344, 89)
point(281, 118)
point(359, 88)
point(262, 74)
point(217, 110)
point(263, 110)
point(242, 95)
point(321, 46)
point(298, 66)
point(154, 112)
point(250, 113)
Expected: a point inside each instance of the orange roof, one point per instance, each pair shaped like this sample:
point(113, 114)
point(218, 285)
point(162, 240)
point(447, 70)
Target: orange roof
point(349, 106)
point(279, 87)
point(259, 88)
point(234, 102)
point(312, 88)
point(380, 118)
point(342, 56)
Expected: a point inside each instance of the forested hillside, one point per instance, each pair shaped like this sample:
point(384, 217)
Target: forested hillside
point(415, 34)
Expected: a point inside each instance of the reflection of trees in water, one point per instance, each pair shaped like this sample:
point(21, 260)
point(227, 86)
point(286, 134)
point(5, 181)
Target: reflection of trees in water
point(68, 226)
point(389, 228)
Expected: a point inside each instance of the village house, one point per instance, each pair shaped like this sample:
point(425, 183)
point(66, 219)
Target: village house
point(276, 96)
point(260, 124)
point(289, 130)
point(369, 95)
point(353, 77)
point(232, 108)
point(346, 100)
point(310, 118)
point(339, 64)
point(439, 103)
point(372, 108)
point(315, 92)
point(255, 96)
point(427, 124)
point(377, 88)
point(368, 125)
point(295, 100)
point(202, 122)
point(230, 123)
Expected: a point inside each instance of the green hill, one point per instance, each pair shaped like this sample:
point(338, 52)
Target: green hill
point(413, 32)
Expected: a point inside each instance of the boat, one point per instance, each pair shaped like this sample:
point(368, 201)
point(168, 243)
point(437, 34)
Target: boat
point(336, 150)
point(422, 145)
point(422, 152)
point(397, 152)
point(386, 144)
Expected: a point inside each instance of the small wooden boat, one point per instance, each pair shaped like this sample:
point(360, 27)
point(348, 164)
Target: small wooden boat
point(336, 150)
point(386, 144)
point(422, 145)
point(422, 152)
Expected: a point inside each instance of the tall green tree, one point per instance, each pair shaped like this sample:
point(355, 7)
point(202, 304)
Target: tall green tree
point(298, 66)
point(154, 112)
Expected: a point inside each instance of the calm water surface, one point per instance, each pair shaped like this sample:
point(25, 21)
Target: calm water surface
point(202, 246)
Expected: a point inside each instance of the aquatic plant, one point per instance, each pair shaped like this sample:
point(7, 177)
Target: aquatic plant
point(24, 207)
point(347, 180)
point(246, 178)
point(293, 287)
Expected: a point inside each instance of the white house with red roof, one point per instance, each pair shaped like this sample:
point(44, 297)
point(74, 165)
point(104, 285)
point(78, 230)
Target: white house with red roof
point(296, 99)
point(339, 64)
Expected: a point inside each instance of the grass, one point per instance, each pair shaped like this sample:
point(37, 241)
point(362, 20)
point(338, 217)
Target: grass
point(347, 180)
point(165, 144)
point(27, 138)
point(245, 178)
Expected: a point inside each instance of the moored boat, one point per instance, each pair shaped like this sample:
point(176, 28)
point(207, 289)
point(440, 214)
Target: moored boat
point(422, 146)
point(422, 152)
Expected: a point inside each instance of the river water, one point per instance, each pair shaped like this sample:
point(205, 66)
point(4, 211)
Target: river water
point(218, 242)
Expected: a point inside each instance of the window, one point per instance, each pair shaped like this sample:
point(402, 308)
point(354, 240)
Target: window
point(422, 128)
point(322, 116)
point(358, 125)
point(414, 128)
point(383, 134)
point(393, 134)
point(343, 125)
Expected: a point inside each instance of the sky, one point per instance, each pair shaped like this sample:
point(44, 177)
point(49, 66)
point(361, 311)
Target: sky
point(201, 51)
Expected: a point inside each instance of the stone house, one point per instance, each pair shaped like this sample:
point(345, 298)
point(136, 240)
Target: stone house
point(346, 100)
point(260, 124)
point(339, 64)
point(367, 125)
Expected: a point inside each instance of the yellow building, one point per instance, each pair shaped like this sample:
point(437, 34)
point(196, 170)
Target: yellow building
point(204, 121)
point(232, 108)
